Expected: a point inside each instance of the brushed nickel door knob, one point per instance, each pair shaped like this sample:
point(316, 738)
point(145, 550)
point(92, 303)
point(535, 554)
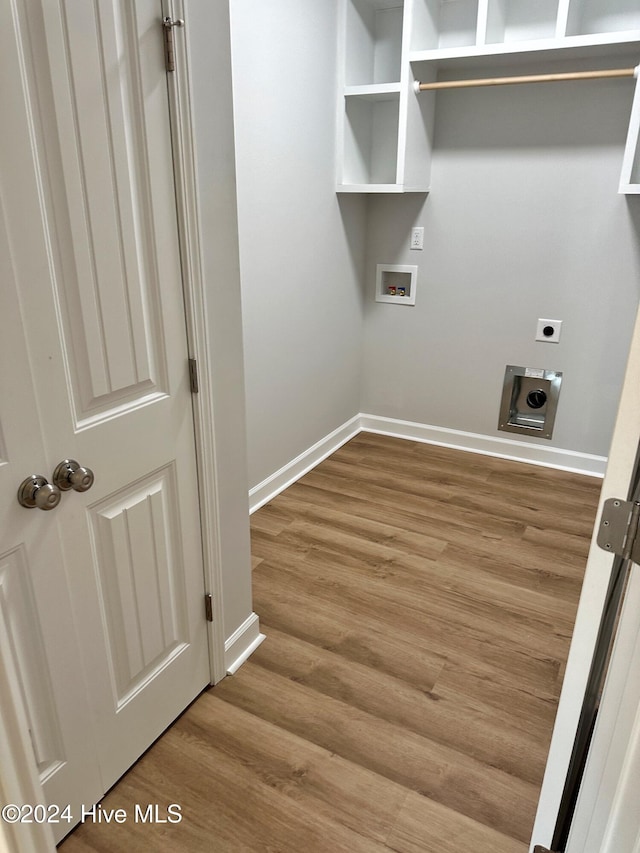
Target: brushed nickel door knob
point(36, 491)
point(70, 475)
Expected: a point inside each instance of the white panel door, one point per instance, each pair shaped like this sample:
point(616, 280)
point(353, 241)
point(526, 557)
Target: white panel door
point(35, 606)
point(88, 196)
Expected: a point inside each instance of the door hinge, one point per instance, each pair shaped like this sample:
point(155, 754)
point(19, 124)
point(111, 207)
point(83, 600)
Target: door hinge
point(168, 23)
point(618, 531)
point(208, 606)
point(193, 376)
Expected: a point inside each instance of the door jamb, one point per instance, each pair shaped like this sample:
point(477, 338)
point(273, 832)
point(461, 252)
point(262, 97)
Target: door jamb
point(187, 204)
point(618, 477)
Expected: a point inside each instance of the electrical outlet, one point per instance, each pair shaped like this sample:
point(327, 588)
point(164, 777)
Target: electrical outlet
point(549, 331)
point(417, 238)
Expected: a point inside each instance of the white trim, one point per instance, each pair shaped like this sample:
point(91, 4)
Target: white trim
point(503, 448)
point(242, 643)
point(603, 809)
point(298, 467)
point(187, 203)
point(487, 445)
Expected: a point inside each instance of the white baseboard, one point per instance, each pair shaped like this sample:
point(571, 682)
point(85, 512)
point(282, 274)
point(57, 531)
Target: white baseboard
point(504, 448)
point(242, 643)
point(298, 467)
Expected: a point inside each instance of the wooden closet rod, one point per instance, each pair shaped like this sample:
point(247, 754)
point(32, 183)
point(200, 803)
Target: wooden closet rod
point(529, 78)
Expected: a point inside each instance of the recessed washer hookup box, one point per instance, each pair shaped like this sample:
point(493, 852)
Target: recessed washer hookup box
point(529, 400)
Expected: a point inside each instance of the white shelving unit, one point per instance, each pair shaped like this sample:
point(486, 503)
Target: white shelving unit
point(374, 148)
point(630, 177)
point(385, 128)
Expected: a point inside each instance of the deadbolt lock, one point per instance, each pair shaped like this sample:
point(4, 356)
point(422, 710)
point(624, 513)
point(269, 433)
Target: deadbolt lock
point(70, 475)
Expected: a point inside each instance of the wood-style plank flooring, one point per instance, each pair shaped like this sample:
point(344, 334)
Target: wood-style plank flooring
point(418, 604)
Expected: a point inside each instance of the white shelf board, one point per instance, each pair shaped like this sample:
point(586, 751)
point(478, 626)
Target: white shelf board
point(629, 189)
point(379, 188)
point(373, 92)
point(609, 45)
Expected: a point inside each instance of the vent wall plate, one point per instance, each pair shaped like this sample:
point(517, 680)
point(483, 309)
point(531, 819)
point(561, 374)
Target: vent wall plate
point(529, 400)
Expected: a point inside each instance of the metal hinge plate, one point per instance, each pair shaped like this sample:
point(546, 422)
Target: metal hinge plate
point(208, 606)
point(168, 23)
point(618, 531)
point(193, 376)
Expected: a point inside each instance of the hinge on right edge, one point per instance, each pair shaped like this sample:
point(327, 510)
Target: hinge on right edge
point(168, 23)
point(208, 606)
point(618, 531)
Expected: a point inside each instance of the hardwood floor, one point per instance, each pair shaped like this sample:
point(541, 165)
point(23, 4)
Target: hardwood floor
point(418, 604)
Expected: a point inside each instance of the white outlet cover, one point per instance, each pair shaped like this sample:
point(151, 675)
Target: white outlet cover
point(542, 331)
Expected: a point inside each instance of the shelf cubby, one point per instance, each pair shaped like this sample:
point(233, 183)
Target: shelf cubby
point(444, 23)
point(373, 47)
point(370, 139)
point(520, 20)
point(592, 17)
point(386, 129)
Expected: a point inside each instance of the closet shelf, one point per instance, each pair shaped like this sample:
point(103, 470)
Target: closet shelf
point(609, 46)
point(380, 188)
point(374, 91)
point(385, 129)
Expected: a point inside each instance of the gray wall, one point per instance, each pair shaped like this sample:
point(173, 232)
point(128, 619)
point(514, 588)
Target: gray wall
point(523, 221)
point(301, 248)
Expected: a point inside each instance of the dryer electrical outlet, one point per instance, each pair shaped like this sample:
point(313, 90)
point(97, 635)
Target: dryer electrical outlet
point(549, 331)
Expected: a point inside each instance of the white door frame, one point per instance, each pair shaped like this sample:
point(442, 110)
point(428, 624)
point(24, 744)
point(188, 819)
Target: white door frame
point(19, 782)
point(605, 816)
point(616, 483)
point(182, 129)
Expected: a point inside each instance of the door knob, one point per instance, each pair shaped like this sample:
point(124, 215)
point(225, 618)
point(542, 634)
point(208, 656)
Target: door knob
point(70, 475)
point(35, 491)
